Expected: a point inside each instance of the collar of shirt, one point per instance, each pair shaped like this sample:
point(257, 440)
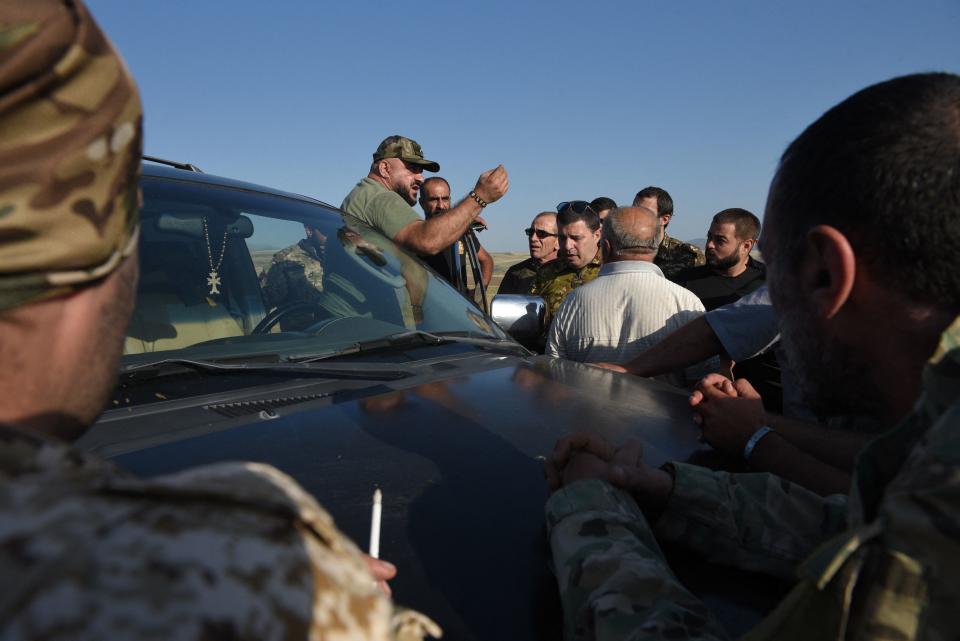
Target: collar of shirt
point(629, 266)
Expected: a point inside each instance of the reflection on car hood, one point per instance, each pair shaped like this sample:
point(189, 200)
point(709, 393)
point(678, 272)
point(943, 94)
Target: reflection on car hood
point(456, 451)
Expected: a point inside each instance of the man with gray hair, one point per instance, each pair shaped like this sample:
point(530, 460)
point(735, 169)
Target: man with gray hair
point(630, 306)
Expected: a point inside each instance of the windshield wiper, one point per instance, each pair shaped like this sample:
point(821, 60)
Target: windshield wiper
point(415, 337)
point(364, 371)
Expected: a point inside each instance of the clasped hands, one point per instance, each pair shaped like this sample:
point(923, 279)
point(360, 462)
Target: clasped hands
point(728, 412)
point(583, 456)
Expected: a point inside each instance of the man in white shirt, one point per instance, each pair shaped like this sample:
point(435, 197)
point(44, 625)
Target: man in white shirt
point(630, 306)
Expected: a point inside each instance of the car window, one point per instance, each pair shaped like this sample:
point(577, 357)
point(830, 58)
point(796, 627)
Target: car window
point(232, 273)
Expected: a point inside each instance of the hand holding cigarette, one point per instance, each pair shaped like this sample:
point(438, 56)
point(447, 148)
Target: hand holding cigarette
point(381, 570)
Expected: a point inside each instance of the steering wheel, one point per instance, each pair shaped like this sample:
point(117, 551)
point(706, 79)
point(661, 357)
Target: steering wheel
point(279, 313)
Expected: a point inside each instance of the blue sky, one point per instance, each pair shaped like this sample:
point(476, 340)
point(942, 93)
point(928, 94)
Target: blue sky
point(577, 100)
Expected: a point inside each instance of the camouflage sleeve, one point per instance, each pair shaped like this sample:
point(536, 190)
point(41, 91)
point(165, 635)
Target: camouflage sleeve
point(756, 522)
point(614, 581)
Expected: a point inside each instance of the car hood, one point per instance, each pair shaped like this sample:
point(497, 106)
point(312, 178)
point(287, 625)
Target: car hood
point(456, 450)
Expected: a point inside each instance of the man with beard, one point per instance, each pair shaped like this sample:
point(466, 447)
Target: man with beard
point(730, 272)
point(543, 246)
point(384, 199)
point(435, 200)
point(868, 307)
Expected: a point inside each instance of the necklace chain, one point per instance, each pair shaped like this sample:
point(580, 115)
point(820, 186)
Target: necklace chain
point(223, 247)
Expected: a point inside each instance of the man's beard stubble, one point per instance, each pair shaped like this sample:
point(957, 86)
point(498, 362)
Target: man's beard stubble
point(833, 380)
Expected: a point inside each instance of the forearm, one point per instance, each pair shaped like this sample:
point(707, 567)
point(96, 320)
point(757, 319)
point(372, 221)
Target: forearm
point(779, 456)
point(834, 447)
point(486, 266)
point(433, 235)
point(613, 578)
point(756, 522)
point(692, 343)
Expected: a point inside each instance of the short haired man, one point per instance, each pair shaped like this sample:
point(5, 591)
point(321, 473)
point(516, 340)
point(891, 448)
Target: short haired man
point(543, 246)
point(730, 272)
point(89, 552)
point(434, 201)
point(868, 311)
point(603, 206)
point(579, 257)
point(630, 306)
point(672, 255)
point(384, 199)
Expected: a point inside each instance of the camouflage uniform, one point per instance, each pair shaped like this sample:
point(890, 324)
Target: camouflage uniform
point(881, 564)
point(556, 279)
point(295, 274)
point(233, 551)
point(674, 255)
point(519, 278)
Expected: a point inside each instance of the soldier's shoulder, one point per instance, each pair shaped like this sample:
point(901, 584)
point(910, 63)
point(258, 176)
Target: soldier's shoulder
point(292, 253)
point(552, 270)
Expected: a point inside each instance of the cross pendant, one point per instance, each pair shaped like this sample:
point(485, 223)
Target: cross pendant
point(213, 280)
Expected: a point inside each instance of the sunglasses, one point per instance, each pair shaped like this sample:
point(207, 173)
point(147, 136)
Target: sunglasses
point(541, 233)
point(577, 206)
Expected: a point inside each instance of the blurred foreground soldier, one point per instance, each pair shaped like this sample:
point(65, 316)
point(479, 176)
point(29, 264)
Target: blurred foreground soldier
point(384, 199)
point(630, 306)
point(435, 200)
point(543, 246)
point(868, 308)
point(235, 550)
point(730, 272)
point(579, 257)
point(295, 276)
point(672, 255)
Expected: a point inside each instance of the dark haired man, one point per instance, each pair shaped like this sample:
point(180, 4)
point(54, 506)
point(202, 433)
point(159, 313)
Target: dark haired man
point(384, 199)
point(542, 243)
point(603, 206)
point(672, 255)
point(435, 200)
point(579, 258)
point(730, 272)
point(868, 310)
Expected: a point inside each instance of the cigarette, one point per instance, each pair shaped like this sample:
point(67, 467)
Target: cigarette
point(375, 523)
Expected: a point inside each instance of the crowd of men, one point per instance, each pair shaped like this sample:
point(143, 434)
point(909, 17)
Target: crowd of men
point(861, 234)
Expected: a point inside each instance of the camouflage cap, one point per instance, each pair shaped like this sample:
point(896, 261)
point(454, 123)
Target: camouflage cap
point(70, 145)
point(406, 150)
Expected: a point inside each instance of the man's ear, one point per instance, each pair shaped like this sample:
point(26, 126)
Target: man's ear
point(383, 169)
point(829, 269)
point(749, 244)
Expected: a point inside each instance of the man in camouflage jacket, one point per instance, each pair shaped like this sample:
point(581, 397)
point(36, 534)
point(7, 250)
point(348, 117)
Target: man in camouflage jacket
point(882, 562)
point(232, 551)
point(673, 255)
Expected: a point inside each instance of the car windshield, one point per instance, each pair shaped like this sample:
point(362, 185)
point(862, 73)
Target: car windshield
point(235, 273)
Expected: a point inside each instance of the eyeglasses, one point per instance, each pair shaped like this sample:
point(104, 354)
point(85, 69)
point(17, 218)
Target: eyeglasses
point(541, 233)
point(577, 206)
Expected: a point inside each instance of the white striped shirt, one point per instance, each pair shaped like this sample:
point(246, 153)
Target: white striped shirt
point(627, 309)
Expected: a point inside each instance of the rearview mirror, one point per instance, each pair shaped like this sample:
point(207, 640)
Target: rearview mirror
point(520, 316)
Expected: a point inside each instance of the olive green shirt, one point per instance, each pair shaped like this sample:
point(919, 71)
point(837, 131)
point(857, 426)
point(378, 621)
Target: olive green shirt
point(379, 208)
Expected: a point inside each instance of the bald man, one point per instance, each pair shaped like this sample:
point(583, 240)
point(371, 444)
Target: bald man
point(630, 306)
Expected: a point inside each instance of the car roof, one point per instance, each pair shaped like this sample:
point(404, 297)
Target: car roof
point(150, 169)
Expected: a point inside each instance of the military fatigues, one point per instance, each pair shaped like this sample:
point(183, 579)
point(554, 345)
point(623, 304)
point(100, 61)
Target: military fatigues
point(556, 279)
point(675, 255)
point(295, 274)
point(519, 278)
point(233, 551)
point(880, 564)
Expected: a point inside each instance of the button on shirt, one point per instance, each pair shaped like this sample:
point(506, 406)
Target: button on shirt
point(627, 309)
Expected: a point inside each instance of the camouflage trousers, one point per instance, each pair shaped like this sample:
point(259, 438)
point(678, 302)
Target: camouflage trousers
point(615, 583)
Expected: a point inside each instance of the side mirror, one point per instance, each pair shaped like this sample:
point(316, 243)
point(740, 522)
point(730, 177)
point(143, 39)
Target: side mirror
point(520, 316)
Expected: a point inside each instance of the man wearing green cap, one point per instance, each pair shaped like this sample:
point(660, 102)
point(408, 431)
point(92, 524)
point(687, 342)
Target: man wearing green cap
point(383, 200)
point(235, 550)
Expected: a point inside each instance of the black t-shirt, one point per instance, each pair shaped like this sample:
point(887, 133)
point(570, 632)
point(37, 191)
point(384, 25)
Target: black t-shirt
point(443, 262)
point(715, 290)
